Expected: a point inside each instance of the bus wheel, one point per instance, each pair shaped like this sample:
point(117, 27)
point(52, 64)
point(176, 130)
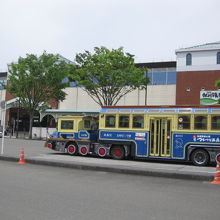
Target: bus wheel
point(200, 157)
point(72, 149)
point(117, 152)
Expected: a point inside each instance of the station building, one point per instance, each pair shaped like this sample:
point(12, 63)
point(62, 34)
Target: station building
point(160, 91)
point(198, 68)
point(179, 82)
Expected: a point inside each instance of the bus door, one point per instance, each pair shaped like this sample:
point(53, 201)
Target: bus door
point(160, 137)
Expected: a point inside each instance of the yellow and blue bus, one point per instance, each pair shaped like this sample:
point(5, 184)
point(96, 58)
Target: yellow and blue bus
point(187, 133)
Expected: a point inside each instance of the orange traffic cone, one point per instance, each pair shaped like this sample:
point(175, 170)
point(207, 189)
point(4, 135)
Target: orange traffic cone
point(22, 160)
point(217, 174)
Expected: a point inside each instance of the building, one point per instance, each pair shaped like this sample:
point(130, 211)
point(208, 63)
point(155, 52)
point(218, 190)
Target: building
point(3, 81)
point(160, 91)
point(177, 82)
point(198, 68)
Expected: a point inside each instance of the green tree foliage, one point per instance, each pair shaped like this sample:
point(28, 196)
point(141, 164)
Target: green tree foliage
point(217, 84)
point(35, 80)
point(108, 75)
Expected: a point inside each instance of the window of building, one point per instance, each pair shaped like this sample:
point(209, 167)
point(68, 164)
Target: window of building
point(150, 76)
point(67, 124)
point(188, 59)
point(200, 122)
point(138, 121)
point(215, 125)
point(124, 121)
point(218, 58)
point(183, 122)
point(159, 78)
point(110, 121)
point(171, 78)
point(162, 77)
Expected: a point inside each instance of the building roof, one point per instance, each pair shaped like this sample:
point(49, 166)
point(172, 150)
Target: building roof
point(165, 64)
point(201, 47)
point(56, 113)
point(65, 59)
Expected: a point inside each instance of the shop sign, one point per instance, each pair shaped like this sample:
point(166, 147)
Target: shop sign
point(210, 97)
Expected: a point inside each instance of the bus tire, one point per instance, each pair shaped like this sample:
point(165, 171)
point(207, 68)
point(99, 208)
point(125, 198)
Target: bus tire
point(200, 157)
point(72, 149)
point(117, 152)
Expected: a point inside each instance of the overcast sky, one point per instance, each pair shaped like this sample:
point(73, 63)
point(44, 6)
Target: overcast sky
point(150, 29)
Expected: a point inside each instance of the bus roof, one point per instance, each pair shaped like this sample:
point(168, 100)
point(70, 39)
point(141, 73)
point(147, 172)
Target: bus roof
point(197, 109)
point(164, 106)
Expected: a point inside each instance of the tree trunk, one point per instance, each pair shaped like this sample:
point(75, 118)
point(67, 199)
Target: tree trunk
point(31, 124)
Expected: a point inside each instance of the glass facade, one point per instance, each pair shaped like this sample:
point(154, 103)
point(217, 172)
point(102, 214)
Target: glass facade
point(71, 83)
point(163, 76)
point(158, 76)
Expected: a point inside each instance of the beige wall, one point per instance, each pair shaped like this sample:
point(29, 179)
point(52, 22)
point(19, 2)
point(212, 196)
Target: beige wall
point(77, 99)
point(161, 95)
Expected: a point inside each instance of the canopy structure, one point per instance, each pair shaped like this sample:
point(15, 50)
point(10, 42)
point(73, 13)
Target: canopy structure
point(59, 112)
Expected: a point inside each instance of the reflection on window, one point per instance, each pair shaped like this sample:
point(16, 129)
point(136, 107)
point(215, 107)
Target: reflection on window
point(183, 122)
point(200, 122)
point(73, 84)
point(67, 124)
point(171, 78)
point(215, 123)
point(138, 121)
point(188, 59)
point(65, 80)
point(124, 121)
point(159, 78)
point(110, 121)
point(87, 124)
point(162, 78)
point(149, 75)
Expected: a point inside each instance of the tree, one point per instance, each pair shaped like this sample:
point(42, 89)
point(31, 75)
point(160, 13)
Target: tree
point(37, 80)
point(217, 84)
point(108, 75)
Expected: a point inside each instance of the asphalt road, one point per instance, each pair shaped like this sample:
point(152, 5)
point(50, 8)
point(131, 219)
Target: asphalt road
point(13, 146)
point(29, 192)
point(37, 154)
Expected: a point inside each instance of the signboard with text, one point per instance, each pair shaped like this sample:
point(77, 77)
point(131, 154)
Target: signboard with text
point(210, 97)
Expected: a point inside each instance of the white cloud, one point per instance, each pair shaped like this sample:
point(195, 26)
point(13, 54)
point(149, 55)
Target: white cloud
point(148, 29)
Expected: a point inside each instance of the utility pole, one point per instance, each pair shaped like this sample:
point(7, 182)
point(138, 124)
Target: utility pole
point(18, 118)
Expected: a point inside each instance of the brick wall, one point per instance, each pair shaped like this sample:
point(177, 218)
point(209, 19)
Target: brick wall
point(190, 83)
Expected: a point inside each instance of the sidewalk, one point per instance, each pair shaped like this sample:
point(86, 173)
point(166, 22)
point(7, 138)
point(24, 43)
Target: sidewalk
point(35, 153)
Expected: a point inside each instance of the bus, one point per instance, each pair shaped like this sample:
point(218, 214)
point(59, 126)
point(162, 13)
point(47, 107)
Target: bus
point(183, 133)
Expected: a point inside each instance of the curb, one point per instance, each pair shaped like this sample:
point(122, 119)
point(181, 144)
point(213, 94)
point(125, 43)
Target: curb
point(153, 173)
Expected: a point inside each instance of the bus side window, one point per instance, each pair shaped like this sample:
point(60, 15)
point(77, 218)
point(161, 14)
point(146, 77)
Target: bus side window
point(138, 121)
point(87, 124)
point(110, 121)
point(184, 122)
point(215, 124)
point(67, 124)
point(124, 121)
point(200, 122)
